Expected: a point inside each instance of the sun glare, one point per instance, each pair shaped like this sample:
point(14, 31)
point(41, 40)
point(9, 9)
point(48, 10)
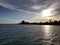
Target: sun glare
point(47, 12)
point(46, 31)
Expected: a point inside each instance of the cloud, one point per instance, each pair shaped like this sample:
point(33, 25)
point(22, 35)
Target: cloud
point(7, 21)
point(30, 5)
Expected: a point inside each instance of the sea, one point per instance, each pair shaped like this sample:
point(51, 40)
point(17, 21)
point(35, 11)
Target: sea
point(29, 34)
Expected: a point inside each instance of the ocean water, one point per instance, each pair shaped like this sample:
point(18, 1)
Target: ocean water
point(29, 35)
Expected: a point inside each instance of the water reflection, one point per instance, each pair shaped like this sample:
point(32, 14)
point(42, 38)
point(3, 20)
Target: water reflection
point(47, 31)
point(49, 36)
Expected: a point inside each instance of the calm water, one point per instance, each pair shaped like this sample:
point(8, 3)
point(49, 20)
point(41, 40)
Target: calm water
point(29, 35)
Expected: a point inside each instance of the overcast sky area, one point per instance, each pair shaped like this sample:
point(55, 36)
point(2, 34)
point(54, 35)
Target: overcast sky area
point(14, 11)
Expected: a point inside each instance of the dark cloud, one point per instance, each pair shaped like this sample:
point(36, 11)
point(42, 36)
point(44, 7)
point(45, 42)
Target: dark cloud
point(57, 11)
point(30, 5)
point(41, 2)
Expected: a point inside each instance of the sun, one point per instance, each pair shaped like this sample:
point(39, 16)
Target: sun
point(46, 12)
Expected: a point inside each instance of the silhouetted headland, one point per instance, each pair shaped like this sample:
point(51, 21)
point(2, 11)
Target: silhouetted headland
point(41, 23)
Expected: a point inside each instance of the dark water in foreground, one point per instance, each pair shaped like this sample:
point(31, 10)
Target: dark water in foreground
point(29, 35)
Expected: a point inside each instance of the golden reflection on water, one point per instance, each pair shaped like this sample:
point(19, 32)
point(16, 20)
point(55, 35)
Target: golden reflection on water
point(47, 31)
point(49, 36)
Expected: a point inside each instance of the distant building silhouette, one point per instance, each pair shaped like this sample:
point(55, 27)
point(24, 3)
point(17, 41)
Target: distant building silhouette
point(41, 23)
point(23, 22)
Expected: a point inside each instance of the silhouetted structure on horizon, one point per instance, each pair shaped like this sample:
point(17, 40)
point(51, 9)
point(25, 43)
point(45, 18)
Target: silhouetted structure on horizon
point(44, 23)
point(23, 22)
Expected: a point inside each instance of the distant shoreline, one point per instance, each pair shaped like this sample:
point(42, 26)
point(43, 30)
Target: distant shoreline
point(38, 24)
point(29, 24)
point(41, 23)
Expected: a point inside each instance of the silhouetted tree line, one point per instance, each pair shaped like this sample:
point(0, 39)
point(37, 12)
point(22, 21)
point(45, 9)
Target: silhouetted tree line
point(42, 23)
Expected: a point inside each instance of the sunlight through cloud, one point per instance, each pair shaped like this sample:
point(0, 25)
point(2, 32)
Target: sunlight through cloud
point(46, 12)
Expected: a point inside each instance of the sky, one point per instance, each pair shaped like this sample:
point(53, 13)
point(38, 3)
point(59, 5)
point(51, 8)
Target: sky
point(14, 11)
